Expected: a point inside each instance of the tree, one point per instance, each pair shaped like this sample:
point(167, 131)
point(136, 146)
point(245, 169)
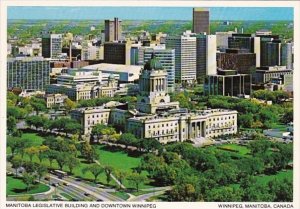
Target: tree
point(89, 152)
point(245, 120)
point(224, 194)
point(150, 163)
point(282, 190)
point(38, 104)
point(72, 162)
point(108, 170)
point(288, 116)
point(259, 146)
point(31, 151)
point(11, 124)
point(28, 179)
point(62, 159)
point(120, 175)
point(69, 105)
point(73, 128)
point(127, 139)
point(36, 121)
point(15, 143)
point(257, 193)
point(184, 192)
point(101, 131)
point(41, 170)
point(16, 112)
point(250, 166)
point(151, 145)
point(94, 169)
point(41, 150)
point(16, 162)
point(51, 155)
point(136, 180)
point(223, 174)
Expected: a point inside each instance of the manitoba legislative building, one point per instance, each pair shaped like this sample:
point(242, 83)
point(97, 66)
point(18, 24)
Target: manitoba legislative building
point(155, 116)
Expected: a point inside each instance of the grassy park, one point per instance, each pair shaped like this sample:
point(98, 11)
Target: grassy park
point(15, 186)
point(116, 158)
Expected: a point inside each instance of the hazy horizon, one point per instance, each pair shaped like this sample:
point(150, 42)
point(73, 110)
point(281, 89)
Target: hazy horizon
point(149, 13)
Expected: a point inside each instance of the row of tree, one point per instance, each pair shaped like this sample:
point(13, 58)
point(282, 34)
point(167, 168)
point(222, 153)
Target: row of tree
point(63, 124)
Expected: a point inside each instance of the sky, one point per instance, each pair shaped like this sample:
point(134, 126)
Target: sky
point(149, 13)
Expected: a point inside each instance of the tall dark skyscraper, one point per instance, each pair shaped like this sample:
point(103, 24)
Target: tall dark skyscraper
point(113, 29)
point(52, 45)
point(201, 20)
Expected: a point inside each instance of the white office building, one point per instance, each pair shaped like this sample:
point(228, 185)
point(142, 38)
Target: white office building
point(185, 56)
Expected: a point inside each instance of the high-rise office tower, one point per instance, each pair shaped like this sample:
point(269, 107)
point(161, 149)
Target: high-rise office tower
point(271, 53)
point(28, 73)
point(51, 45)
point(201, 20)
point(167, 60)
point(240, 60)
point(287, 55)
point(113, 29)
point(222, 39)
point(270, 50)
point(206, 56)
point(185, 56)
point(246, 42)
point(117, 53)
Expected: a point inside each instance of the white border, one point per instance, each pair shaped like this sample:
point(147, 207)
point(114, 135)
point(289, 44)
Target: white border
point(167, 3)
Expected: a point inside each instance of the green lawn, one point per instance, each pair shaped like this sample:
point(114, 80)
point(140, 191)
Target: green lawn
point(243, 150)
point(117, 159)
point(280, 175)
point(33, 138)
point(15, 186)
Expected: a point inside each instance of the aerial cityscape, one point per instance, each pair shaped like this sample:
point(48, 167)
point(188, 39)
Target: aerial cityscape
point(197, 109)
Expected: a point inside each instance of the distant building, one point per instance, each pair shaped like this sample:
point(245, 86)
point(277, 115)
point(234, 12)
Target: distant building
point(228, 84)
point(206, 56)
point(126, 73)
point(113, 30)
point(246, 42)
point(55, 99)
point(263, 32)
point(75, 76)
point(117, 53)
point(236, 59)
point(222, 39)
point(31, 73)
point(90, 52)
point(51, 45)
point(185, 56)
point(201, 21)
point(76, 52)
point(84, 91)
point(283, 82)
point(287, 55)
point(265, 74)
point(270, 51)
point(109, 113)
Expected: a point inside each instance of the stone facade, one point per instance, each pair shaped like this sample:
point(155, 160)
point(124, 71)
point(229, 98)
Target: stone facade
point(55, 99)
